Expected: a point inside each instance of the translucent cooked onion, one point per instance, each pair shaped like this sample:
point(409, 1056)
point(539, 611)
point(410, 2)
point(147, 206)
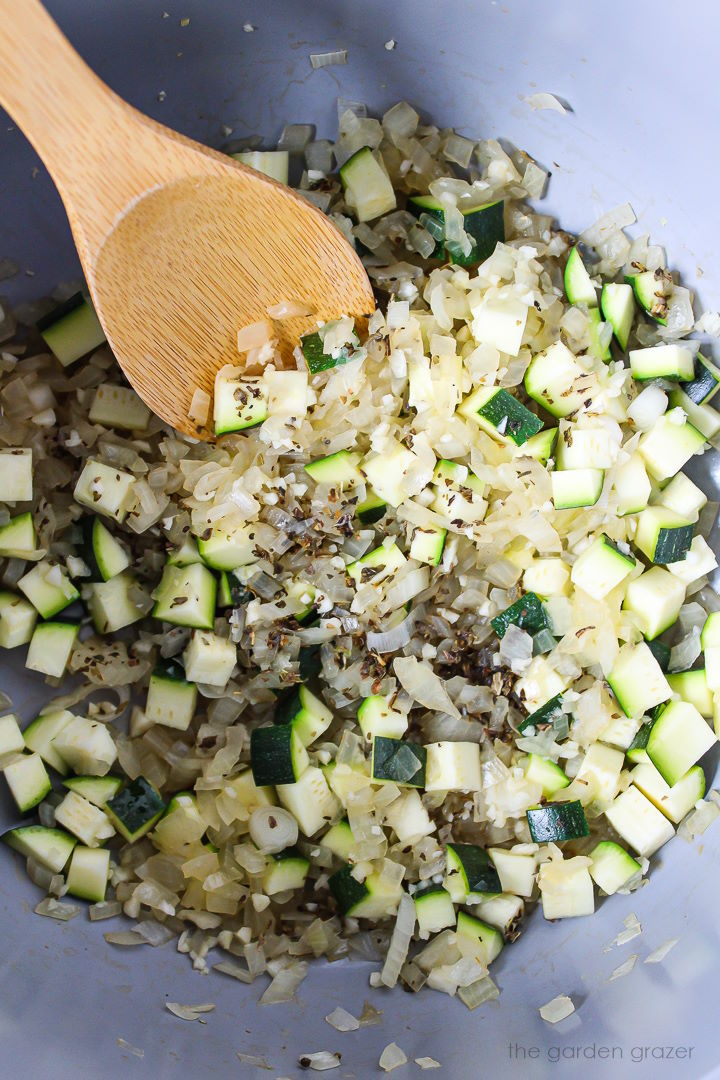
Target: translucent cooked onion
point(327, 59)
point(320, 1061)
point(273, 829)
point(392, 640)
point(421, 683)
point(543, 100)
point(54, 909)
point(285, 984)
point(399, 942)
point(558, 1009)
point(648, 407)
point(392, 1057)
point(342, 1020)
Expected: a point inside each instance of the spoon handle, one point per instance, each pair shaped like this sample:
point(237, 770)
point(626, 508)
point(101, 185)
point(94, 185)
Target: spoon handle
point(52, 94)
point(101, 152)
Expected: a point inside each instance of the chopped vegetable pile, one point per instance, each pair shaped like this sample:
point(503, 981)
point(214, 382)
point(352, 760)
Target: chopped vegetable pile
point(423, 639)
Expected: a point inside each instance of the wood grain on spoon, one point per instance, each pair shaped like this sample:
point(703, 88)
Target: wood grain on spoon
point(181, 246)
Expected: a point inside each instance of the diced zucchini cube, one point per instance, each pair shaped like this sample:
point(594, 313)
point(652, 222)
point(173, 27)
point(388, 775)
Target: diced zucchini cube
point(600, 771)
point(540, 770)
point(662, 535)
point(639, 823)
point(516, 869)
point(186, 596)
point(277, 755)
point(89, 823)
point(117, 603)
point(637, 680)
point(310, 801)
point(240, 401)
point(48, 588)
point(662, 362)
point(50, 647)
point(309, 716)
point(631, 486)
point(88, 873)
point(453, 766)
point(655, 598)
point(547, 577)
point(16, 483)
point(28, 781)
point(682, 496)
point(119, 407)
point(558, 382)
point(679, 738)
point(387, 473)
point(673, 801)
point(171, 699)
point(574, 488)
point(699, 562)
point(499, 321)
point(398, 762)
point(17, 538)
point(209, 658)
point(499, 413)
point(105, 489)
point(408, 818)
point(566, 888)
point(286, 871)
point(601, 568)
point(11, 739)
point(434, 910)
point(471, 873)
point(86, 746)
point(376, 565)
point(376, 716)
point(41, 733)
point(670, 444)
point(427, 545)
point(135, 809)
point(50, 847)
point(17, 620)
point(72, 329)
point(612, 866)
point(368, 190)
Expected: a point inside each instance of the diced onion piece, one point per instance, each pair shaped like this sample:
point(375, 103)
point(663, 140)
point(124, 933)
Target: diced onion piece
point(254, 335)
point(544, 100)
point(659, 954)
point(199, 406)
point(327, 59)
point(188, 1012)
point(342, 1020)
point(625, 968)
point(273, 829)
point(558, 1009)
point(320, 1061)
point(392, 1057)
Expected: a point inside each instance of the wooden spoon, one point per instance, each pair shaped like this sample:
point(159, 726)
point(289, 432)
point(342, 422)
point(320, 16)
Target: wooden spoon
point(181, 246)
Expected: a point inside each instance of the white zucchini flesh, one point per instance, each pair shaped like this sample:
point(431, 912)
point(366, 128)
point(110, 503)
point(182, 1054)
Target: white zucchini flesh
point(209, 658)
point(310, 801)
point(566, 888)
point(639, 823)
point(408, 818)
point(516, 870)
point(453, 766)
point(87, 746)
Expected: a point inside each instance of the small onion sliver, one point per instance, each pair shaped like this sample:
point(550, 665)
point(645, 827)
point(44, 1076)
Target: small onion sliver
point(273, 829)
